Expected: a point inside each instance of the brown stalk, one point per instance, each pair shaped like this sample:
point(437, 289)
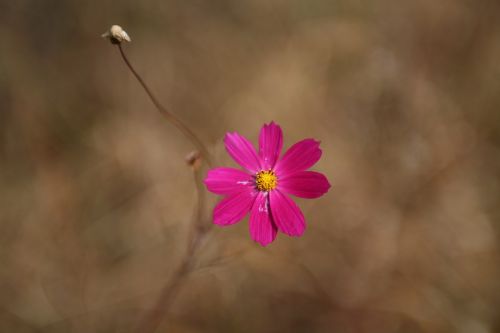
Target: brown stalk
point(153, 317)
point(166, 113)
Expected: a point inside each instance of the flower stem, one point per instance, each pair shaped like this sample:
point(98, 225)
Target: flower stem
point(154, 316)
point(166, 113)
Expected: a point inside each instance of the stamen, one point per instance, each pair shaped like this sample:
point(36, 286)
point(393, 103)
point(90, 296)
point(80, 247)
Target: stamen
point(266, 180)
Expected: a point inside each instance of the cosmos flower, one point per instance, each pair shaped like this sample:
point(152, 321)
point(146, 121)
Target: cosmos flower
point(263, 188)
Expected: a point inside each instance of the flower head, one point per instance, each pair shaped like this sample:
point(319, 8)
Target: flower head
point(116, 35)
point(263, 188)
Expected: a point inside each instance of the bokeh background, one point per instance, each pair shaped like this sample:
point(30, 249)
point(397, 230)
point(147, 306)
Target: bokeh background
point(96, 200)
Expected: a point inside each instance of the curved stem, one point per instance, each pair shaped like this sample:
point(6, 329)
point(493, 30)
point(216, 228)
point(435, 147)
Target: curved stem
point(166, 113)
point(198, 231)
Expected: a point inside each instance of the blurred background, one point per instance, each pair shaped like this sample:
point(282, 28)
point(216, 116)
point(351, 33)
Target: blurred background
point(96, 200)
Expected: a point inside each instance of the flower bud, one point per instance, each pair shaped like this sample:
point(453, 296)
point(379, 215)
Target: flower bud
point(193, 159)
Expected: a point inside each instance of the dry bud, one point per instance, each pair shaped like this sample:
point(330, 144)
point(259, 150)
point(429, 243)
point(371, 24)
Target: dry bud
point(116, 35)
point(193, 159)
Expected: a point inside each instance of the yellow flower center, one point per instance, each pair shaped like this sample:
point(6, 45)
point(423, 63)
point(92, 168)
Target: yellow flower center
point(266, 180)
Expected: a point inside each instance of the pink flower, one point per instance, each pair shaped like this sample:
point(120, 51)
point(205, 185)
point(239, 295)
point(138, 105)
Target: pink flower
point(263, 188)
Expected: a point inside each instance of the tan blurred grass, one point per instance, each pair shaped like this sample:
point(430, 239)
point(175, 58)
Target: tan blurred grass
point(95, 197)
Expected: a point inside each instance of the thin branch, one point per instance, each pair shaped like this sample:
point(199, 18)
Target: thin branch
point(166, 113)
point(154, 317)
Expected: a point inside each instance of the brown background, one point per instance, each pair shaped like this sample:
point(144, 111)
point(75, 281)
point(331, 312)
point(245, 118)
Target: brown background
point(96, 200)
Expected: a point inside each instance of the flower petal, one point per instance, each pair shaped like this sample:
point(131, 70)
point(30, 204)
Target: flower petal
point(262, 228)
point(305, 184)
point(299, 157)
point(234, 207)
point(227, 180)
point(270, 144)
point(286, 214)
point(242, 151)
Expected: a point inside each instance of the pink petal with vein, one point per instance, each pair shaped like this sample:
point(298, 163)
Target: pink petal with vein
point(227, 180)
point(305, 184)
point(262, 228)
point(270, 144)
point(286, 215)
point(234, 208)
point(242, 151)
point(299, 157)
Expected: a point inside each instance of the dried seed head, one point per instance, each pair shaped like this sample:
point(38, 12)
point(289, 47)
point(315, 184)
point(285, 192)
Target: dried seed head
point(116, 35)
